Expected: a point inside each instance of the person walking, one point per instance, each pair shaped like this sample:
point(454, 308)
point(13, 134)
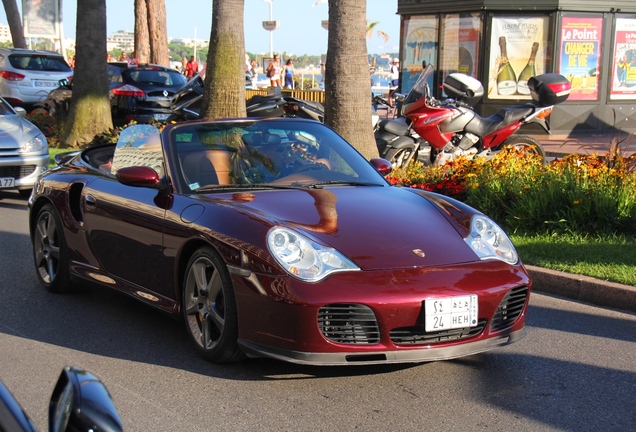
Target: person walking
point(192, 67)
point(253, 74)
point(289, 74)
point(395, 80)
point(273, 71)
point(184, 62)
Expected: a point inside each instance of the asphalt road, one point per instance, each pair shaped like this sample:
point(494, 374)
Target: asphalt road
point(576, 370)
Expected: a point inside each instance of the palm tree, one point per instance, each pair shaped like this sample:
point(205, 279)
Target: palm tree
point(15, 23)
point(347, 81)
point(142, 38)
point(224, 94)
point(90, 106)
point(381, 34)
point(158, 33)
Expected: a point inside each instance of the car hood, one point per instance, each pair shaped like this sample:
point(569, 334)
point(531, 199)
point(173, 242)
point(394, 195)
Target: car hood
point(15, 130)
point(376, 227)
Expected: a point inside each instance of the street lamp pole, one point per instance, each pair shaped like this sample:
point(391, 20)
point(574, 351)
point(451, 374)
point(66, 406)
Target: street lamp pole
point(270, 26)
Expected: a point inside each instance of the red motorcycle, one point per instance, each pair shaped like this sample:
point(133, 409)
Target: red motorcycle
point(434, 131)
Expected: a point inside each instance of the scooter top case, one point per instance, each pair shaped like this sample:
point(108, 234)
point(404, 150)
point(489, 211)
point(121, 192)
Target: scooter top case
point(549, 89)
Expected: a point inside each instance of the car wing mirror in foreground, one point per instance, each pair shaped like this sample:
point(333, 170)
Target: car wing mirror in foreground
point(20, 111)
point(383, 166)
point(139, 176)
point(81, 402)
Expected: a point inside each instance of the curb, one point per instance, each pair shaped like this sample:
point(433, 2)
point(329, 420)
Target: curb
point(583, 288)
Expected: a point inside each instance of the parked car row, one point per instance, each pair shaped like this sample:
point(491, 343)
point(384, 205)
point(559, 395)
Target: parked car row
point(140, 93)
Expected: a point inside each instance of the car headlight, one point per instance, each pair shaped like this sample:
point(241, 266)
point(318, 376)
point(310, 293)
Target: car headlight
point(35, 145)
point(304, 258)
point(489, 241)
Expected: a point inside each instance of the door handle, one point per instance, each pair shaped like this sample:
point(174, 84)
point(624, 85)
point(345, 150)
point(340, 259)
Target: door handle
point(90, 201)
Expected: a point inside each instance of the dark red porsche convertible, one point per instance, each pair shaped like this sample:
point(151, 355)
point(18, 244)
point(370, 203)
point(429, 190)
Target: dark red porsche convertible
point(276, 238)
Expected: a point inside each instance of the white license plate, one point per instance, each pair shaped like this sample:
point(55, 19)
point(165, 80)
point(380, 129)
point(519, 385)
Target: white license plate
point(161, 116)
point(450, 312)
point(7, 182)
point(46, 83)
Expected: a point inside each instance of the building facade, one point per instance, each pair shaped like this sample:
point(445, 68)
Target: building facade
point(501, 43)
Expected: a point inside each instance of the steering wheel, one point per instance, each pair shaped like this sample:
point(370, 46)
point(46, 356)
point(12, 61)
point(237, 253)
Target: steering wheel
point(311, 166)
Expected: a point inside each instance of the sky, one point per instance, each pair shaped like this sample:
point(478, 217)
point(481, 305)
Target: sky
point(299, 32)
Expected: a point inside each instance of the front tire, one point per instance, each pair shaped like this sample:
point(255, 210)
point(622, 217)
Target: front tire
point(400, 158)
point(49, 251)
point(209, 307)
point(526, 144)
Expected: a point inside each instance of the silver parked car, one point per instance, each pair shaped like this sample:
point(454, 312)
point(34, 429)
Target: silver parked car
point(27, 76)
point(24, 152)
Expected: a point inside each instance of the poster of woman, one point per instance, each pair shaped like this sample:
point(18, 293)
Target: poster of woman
point(41, 18)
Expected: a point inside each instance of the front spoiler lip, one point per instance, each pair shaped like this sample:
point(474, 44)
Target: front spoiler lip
point(425, 354)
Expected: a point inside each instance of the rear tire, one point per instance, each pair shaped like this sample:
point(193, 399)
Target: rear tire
point(209, 307)
point(50, 252)
point(526, 144)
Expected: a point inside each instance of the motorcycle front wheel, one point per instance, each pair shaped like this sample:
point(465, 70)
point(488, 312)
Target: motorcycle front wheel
point(400, 158)
point(526, 144)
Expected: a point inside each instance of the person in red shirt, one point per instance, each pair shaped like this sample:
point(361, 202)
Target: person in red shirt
point(192, 67)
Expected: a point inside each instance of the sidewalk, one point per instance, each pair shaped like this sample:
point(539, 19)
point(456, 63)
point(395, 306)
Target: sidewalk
point(585, 144)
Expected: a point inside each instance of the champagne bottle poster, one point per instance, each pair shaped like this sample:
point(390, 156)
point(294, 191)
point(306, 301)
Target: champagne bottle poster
point(517, 51)
point(624, 64)
point(580, 54)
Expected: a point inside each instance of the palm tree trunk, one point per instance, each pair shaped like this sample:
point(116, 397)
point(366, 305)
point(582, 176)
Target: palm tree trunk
point(224, 94)
point(15, 23)
point(158, 33)
point(90, 106)
point(347, 80)
point(142, 42)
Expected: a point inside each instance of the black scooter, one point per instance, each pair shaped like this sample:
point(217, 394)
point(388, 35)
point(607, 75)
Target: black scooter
point(186, 104)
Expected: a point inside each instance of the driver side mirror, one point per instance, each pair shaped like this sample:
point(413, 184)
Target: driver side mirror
point(382, 166)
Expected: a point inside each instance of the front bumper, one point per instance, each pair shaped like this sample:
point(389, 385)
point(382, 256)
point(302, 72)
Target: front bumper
point(24, 170)
point(373, 317)
point(425, 354)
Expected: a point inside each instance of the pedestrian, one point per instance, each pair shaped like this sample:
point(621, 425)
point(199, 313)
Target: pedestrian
point(123, 57)
point(192, 67)
point(132, 60)
point(184, 62)
point(109, 58)
point(253, 74)
point(273, 71)
point(289, 74)
point(395, 80)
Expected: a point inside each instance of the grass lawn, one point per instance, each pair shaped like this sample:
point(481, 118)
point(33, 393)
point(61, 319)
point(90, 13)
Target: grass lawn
point(611, 258)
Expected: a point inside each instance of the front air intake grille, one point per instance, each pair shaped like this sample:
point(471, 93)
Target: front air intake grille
point(17, 172)
point(417, 335)
point(509, 309)
point(349, 324)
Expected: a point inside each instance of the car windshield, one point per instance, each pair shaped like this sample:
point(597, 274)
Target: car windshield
point(39, 62)
point(154, 77)
point(270, 153)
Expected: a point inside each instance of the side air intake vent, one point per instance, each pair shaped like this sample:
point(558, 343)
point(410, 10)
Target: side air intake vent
point(349, 324)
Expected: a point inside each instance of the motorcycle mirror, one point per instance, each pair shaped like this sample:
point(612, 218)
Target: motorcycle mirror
point(424, 64)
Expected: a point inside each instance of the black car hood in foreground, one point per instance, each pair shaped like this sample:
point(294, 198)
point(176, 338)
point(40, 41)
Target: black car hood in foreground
point(376, 227)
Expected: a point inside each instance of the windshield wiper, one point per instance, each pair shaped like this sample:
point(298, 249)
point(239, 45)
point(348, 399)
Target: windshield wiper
point(213, 188)
point(342, 183)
